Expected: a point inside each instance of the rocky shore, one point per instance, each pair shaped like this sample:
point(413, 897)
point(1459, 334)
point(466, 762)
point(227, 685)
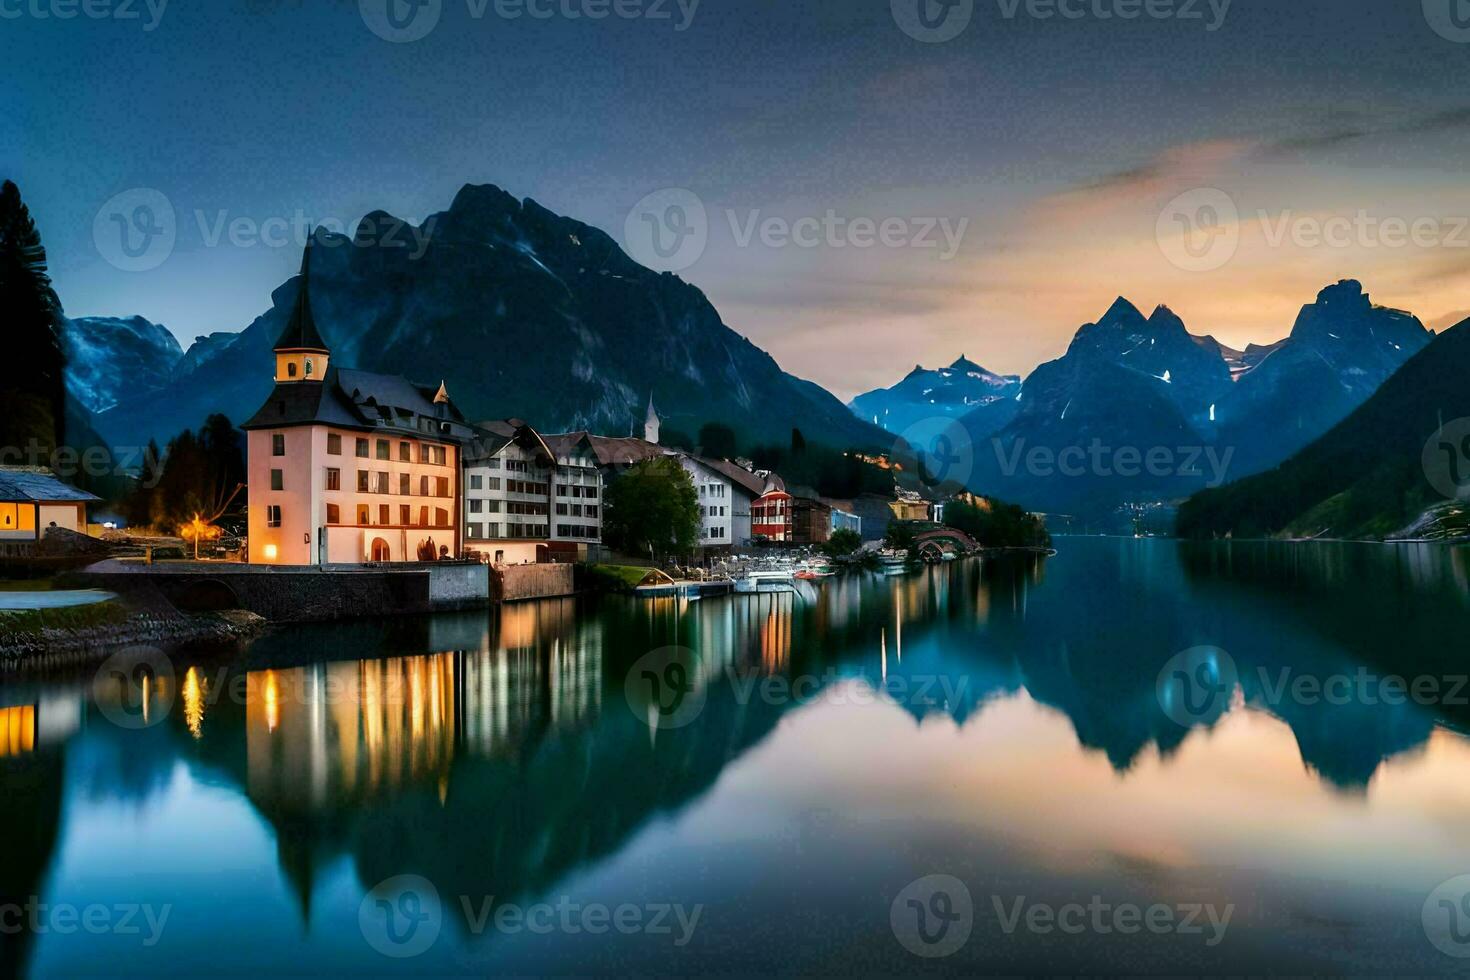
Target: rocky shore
point(26, 646)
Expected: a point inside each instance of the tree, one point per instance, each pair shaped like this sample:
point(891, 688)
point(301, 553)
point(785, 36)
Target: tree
point(653, 510)
point(843, 542)
point(995, 524)
point(33, 397)
point(900, 535)
point(198, 477)
point(718, 441)
point(798, 442)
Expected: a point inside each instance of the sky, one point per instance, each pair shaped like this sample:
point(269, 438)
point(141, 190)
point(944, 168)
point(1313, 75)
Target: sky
point(870, 184)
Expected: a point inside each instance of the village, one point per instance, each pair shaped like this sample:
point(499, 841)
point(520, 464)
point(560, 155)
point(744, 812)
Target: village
point(370, 494)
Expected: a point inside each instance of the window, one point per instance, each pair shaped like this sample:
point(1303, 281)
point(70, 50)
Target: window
point(405, 485)
point(362, 481)
point(381, 483)
point(441, 485)
point(334, 514)
point(591, 510)
point(492, 531)
point(423, 517)
point(362, 449)
point(362, 515)
point(561, 510)
point(405, 515)
point(441, 517)
point(383, 449)
point(405, 453)
point(590, 493)
point(477, 506)
point(334, 478)
point(440, 456)
point(273, 515)
point(492, 506)
point(385, 514)
point(308, 367)
point(493, 483)
point(334, 444)
point(278, 480)
point(278, 444)
point(423, 486)
point(290, 369)
point(472, 531)
point(477, 482)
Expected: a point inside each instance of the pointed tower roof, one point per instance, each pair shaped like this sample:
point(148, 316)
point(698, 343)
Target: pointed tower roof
point(652, 415)
point(441, 397)
point(301, 332)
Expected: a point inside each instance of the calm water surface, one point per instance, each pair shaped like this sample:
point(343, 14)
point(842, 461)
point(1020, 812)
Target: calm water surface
point(820, 759)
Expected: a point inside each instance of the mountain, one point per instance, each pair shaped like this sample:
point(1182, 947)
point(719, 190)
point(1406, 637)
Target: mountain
point(1403, 454)
point(109, 359)
point(1340, 351)
point(1126, 384)
point(523, 313)
point(927, 399)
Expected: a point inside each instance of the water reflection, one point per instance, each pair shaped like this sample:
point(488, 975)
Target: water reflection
point(496, 755)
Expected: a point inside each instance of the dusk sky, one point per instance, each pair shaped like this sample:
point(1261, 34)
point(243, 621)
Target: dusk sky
point(1050, 148)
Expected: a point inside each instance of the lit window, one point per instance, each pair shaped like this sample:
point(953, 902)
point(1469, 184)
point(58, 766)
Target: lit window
point(273, 515)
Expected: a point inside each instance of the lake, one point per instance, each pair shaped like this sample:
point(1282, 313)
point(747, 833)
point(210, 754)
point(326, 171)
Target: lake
point(1133, 756)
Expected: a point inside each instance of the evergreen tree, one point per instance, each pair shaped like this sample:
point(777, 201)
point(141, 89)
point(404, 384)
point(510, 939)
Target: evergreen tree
point(33, 398)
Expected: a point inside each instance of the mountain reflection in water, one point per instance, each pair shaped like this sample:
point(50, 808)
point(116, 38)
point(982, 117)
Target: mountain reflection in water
point(499, 754)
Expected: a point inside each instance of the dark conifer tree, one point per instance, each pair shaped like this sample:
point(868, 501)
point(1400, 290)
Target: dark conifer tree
point(33, 398)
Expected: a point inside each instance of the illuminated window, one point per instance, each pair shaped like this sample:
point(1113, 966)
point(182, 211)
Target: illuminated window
point(362, 515)
point(273, 516)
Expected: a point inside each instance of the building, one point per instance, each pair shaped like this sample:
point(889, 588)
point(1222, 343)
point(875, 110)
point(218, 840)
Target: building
point(811, 517)
point(507, 497)
point(771, 518)
point(719, 498)
point(576, 498)
point(348, 466)
point(844, 520)
point(32, 501)
point(909, 505)
point(746, 488)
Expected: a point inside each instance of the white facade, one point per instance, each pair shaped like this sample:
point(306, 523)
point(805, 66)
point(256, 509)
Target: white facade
point(507, 504)
point(326, 495)
point(576, 516)
point(717, 504)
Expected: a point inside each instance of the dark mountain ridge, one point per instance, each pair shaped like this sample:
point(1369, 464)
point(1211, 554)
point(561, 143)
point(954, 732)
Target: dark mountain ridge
point(521, 312)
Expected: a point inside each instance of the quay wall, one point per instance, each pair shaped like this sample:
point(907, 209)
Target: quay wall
point(515, 583)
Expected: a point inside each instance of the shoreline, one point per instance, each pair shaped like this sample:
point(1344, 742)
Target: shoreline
point(49, 648)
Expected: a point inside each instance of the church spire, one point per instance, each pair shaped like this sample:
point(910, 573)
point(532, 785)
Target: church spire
point(301, 354)
point(301, 333)
point(651, 423)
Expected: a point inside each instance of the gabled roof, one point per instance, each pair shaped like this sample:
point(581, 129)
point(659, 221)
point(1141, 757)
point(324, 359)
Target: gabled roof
point(31, 485)
point(301, 332)
point(623, 452)
point(738, 475)
point(492, 436)
point(362, 400)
